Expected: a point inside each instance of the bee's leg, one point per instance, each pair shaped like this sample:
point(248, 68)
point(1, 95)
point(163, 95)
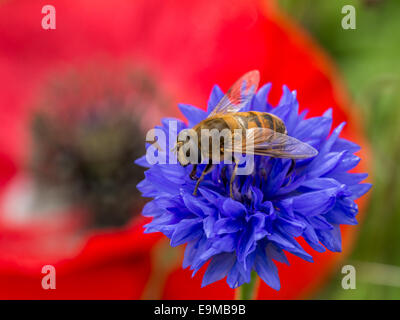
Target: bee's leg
point(233, 177)
point(206, 170)
point(193, 173)
point(291, 169)
point(223, 175)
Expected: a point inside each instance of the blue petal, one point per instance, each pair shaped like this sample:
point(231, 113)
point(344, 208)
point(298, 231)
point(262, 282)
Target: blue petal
point(227, 225)
point(348, 178)
point(317, 202)
point(348, 162)
point(235, 278)
point(260, 99)
point(337, 216)
point(215, 96)
point(166, 122)
point(186, 230)
point(320, 183)
point(156, 207)
point(193, 114)
point(254, 232)
point(232, 208)
point(196, 205)
point(320, 223)
point(267, 270)
point(290, 245)
point(343, 144)
point(246, 244)
point(219, 244)
point(208, 225)
point(332, 239)
point(291, 186)
point(287, 97)
point(323, 163)
point(276, 253)
point(209, 195)
point(276, 176)
point(328, 113)
point(218, 268)
point(332, 139)
point(313, 129)
point(291, 226)
point(287, 109)
point(143, 162)
point(192, 249)
point(312, 239)
point(359, 190)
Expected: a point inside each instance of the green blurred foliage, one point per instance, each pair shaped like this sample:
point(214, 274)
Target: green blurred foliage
point(369, 60)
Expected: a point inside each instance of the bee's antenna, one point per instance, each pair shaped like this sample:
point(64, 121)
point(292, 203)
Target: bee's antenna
point(174, 149)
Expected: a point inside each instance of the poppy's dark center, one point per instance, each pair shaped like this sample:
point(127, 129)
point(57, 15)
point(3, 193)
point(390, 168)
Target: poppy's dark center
point(87, 132)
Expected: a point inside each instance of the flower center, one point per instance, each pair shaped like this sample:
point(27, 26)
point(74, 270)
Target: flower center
point(87, 132)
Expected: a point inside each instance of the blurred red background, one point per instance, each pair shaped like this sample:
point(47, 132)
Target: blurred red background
point(185, 47)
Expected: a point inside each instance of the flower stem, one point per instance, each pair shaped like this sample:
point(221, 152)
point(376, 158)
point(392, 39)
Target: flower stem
point(247, 291)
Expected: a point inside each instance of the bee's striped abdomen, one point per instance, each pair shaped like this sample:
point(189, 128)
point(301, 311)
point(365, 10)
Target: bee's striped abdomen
point(254, 119)
point(273, 122)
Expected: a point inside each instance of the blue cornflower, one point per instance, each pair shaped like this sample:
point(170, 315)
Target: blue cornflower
point(270, 207)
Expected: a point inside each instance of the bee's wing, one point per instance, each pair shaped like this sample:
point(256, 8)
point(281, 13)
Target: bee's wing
point(238, 95)
point(267, 142)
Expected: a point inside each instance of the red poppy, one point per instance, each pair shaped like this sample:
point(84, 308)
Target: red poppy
point(186, 47)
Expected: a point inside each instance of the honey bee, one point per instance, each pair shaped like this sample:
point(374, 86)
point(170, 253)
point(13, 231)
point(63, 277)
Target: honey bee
point(267, 132)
